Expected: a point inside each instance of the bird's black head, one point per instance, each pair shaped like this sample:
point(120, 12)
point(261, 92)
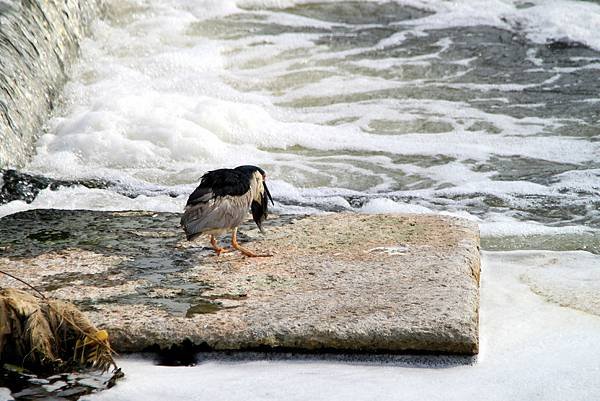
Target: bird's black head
point(250, 170)
point(259, 205)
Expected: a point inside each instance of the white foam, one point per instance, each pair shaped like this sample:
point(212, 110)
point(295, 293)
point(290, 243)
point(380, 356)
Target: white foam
point(557, 19)
point(14, 207)
point(497, 225)
point(384, 205)
point(5, 394)
point(203, 9)
point(544, 20)
point(75, 198)
point(531, 57)
point(580, 180)
point(566, 278)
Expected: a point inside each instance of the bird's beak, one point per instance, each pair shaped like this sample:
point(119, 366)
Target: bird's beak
point(268, 193)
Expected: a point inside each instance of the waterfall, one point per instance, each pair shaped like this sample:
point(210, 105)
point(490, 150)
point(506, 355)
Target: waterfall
point(38, 42)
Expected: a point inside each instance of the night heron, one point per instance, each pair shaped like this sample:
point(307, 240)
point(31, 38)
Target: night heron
point(221, 203)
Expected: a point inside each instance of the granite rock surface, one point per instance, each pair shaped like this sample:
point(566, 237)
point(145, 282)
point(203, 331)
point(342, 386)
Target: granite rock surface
point(341, 282)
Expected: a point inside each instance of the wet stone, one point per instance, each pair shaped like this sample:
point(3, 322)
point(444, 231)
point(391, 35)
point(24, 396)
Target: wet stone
point(65, 386)
point(338, 282)
point(203, 307)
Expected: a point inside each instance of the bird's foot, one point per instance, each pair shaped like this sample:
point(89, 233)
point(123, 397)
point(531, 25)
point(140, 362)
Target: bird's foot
point(255, 255)
point(247, 252)
point(219, 251)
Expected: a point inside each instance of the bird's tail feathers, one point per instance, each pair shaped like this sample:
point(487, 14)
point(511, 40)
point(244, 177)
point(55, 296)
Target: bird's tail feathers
point(191, 236)
point(191, 224)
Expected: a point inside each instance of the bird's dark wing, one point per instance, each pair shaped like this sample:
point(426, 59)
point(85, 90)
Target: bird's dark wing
point(222, 182)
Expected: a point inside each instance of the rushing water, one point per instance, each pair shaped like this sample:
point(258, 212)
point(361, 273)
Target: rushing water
point(488, 110)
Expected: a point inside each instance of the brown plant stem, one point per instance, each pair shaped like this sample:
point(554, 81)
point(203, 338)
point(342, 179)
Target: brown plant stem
point(24, 282)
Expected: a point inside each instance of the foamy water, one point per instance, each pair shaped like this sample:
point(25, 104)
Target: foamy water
point(342, 103)
point(486, 110)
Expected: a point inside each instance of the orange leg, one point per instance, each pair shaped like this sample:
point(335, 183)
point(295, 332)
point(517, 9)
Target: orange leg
point(240, 248)
point(216, 246)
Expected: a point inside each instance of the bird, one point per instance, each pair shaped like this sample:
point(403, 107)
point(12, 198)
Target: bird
point(221, 203)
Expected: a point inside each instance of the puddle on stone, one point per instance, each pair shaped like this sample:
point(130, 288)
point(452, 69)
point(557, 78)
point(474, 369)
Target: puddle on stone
point(50, 235)
point(203, 307)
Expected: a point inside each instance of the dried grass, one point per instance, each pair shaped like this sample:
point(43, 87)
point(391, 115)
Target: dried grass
point(39, 333)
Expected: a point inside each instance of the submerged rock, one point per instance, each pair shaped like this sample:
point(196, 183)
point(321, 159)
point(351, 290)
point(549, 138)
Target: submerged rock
point(344, 282)
point(22, 385)
point(565, 43)
point(16, 185)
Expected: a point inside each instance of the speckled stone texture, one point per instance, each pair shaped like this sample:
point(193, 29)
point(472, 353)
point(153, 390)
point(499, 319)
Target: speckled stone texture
point(345, 282)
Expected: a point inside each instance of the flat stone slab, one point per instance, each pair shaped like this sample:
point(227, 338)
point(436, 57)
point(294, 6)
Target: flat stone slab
point(347, 282)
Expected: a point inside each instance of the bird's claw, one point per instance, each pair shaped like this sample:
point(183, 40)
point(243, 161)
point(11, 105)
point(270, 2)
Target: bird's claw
point(251, 254)
point(222, 250)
